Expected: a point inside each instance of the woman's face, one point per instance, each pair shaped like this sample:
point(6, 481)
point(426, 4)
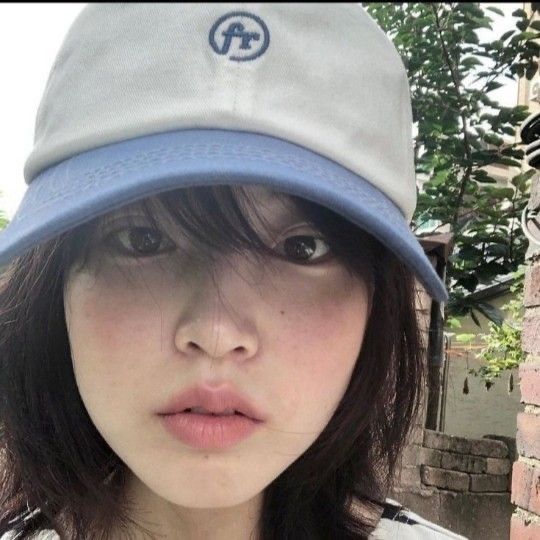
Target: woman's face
point(287, 338)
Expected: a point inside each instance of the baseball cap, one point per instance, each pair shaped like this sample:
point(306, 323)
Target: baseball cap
point(308, 99)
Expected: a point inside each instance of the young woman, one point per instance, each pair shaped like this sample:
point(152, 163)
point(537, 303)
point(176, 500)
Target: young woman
point(208, 321)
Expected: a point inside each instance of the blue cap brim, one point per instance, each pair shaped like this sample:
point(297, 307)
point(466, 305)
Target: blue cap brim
point(94, 182)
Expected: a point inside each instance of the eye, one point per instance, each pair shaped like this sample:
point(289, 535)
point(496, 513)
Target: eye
point(138, 242)
point(301, 248)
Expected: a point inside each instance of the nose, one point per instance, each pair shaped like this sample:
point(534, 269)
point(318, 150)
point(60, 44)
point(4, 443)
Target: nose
point(219, 320)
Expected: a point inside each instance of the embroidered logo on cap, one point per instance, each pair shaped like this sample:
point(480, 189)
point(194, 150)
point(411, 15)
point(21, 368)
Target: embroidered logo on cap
point(240, 36)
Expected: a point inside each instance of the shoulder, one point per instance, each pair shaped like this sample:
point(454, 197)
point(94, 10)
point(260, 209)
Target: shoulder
point(399, 522)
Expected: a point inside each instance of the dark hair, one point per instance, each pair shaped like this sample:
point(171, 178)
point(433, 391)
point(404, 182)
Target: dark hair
point(59, 473)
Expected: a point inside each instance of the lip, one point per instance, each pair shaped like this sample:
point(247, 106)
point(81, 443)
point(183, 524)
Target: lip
point(215, 400)
point(207, 432)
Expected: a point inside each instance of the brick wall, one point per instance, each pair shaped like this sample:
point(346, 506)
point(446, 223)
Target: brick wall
point(525, 522)
point(460, 464)
point(460, 483)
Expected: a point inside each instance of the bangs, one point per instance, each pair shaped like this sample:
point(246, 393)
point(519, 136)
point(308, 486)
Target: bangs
point(207, 222)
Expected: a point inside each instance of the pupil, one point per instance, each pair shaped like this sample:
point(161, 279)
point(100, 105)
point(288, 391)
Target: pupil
point(299, 246)
point(147, 245)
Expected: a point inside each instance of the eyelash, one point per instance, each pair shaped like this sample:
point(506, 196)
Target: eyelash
point(112, 239)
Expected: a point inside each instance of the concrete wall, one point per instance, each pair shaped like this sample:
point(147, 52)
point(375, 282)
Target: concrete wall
point(493, 410)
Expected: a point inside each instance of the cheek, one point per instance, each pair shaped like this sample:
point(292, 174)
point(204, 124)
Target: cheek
point(108, 330)
point(321, 342)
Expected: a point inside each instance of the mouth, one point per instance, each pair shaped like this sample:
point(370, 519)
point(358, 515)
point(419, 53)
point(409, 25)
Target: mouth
point(196, 410)
point(207, 401)
point(209, 431)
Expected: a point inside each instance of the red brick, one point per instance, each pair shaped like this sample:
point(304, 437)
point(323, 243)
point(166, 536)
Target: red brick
point(528, 435)
point(521, 530)
point(531, 293)
point(529, 382)
point(530, 334)
point(521, 484)
point(534, 499)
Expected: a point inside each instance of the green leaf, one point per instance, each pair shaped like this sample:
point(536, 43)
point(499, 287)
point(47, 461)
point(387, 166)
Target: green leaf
point(508, 161)
point(493, 85)
point(482, 176)
point(469, 252)
point(508, 130)
point(497, 250)
point(496, 10)
point(491, 138)
point(520, 180)
point(471, 61)
point(465, 338)
point(520, 13)
point(529, 35)
point(504, 192)
point(531, 71)
point(535, 25)
point(487, 180)
point(472, 37)
point(475, 319)
point(506, 35)
point(491, 312)
point(468, 282)
point(453, 322)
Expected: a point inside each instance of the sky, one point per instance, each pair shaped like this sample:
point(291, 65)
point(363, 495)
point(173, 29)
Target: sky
point(30, 37)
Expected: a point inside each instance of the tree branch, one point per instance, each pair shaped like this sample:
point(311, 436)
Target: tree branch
point(467, 146)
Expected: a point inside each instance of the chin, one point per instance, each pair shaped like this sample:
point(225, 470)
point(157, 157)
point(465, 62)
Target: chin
point(202, 500)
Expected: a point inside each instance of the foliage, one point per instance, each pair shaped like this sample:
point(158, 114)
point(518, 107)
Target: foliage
point(502, 350)
point(461, 130)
